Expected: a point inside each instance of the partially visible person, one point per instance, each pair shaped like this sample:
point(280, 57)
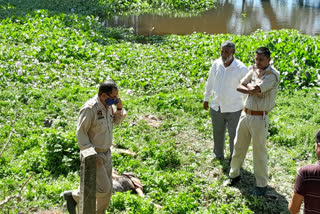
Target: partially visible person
point(127, 182)
point(261, 85)
point(94, 129)
point(307, 186)
point(225, 109)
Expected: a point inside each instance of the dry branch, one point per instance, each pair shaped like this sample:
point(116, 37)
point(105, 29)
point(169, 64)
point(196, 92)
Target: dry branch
point(123, 151)
point(17, 196)
point(27, 181)
point(9, 198)
point(11, 132)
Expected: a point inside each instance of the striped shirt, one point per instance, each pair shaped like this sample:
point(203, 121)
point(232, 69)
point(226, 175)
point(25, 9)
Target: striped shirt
point(308, 185)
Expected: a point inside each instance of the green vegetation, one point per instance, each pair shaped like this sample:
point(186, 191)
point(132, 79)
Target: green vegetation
point(51, 63)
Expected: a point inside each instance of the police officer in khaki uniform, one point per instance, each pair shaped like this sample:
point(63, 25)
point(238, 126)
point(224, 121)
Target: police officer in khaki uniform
point(94, 129)
point(261, 85)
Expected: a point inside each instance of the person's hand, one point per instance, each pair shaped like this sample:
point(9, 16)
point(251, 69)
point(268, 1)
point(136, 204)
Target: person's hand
point(99, 163)
point(250, 86)
point(206, 105)
point(119, 104)
point(253, 89)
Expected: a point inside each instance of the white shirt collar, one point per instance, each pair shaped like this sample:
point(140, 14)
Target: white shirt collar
point(233, 63)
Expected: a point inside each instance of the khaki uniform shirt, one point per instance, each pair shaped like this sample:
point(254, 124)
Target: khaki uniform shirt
point(268, 81)
point(95, 124)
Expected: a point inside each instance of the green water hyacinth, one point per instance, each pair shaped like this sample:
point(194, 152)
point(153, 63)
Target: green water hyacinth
point(107, 8)
point(154, 63)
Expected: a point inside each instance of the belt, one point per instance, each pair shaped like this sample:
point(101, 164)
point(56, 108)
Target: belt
point(101, 150)
point(255, 113)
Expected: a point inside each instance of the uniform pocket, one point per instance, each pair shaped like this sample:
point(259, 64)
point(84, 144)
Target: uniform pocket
point(100, 125)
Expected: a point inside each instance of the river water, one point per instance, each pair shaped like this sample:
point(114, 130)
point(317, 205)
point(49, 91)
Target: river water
point(231, 16)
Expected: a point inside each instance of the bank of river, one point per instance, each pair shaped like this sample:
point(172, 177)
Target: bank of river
point(231, 16)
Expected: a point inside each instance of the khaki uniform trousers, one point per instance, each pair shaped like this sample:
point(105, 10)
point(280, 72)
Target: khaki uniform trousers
point(253, 128)
point(104, 183)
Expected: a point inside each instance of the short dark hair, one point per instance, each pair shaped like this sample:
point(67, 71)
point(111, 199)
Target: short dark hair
point(107, 87)
point(264, 50)
point(318, 136)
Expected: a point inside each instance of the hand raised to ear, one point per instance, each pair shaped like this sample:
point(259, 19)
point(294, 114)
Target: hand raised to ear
point(119, 104)
point(205, 105)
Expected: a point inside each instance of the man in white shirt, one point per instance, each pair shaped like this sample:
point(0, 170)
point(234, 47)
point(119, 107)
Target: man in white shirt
point(225, 109)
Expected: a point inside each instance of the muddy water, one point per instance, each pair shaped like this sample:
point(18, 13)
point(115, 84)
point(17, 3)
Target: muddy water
point(232, 16)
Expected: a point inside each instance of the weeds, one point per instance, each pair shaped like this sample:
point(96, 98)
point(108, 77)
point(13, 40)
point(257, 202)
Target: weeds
point(51, 63)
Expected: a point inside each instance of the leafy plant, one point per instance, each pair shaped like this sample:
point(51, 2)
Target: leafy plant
point(52, 62)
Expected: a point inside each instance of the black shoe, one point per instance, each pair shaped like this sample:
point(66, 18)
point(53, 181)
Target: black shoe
point(218, 158)
point(232, 181)
point(259, 191)
point(71, 203)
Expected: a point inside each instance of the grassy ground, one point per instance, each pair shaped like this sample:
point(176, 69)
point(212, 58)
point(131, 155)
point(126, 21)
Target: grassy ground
point(174, 163)
point(51, 64)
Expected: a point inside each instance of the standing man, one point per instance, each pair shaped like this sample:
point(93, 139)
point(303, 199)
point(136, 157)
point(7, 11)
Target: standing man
point(225, 109)
point(261, 85)
point(307, 186)
point(94, 129)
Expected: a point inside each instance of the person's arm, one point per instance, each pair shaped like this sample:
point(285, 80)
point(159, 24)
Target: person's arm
point(245, 86)
point(83, 126)
point(119, 114)
point(268, 82)
point(298, 192)
point(295, 203)
point(248, 89)
point(209, 88)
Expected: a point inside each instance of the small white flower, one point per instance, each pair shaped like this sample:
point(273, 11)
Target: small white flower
point(57, 62)
point(19, 72)
point(201, 79)
point(36, 61)
point(18, 63)
point(190, 89)
point(129, 92)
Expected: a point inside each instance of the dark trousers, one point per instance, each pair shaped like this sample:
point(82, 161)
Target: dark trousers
point(221, 121)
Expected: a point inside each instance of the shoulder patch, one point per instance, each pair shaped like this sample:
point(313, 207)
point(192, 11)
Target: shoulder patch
point(269, 72)
point(99, 114)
